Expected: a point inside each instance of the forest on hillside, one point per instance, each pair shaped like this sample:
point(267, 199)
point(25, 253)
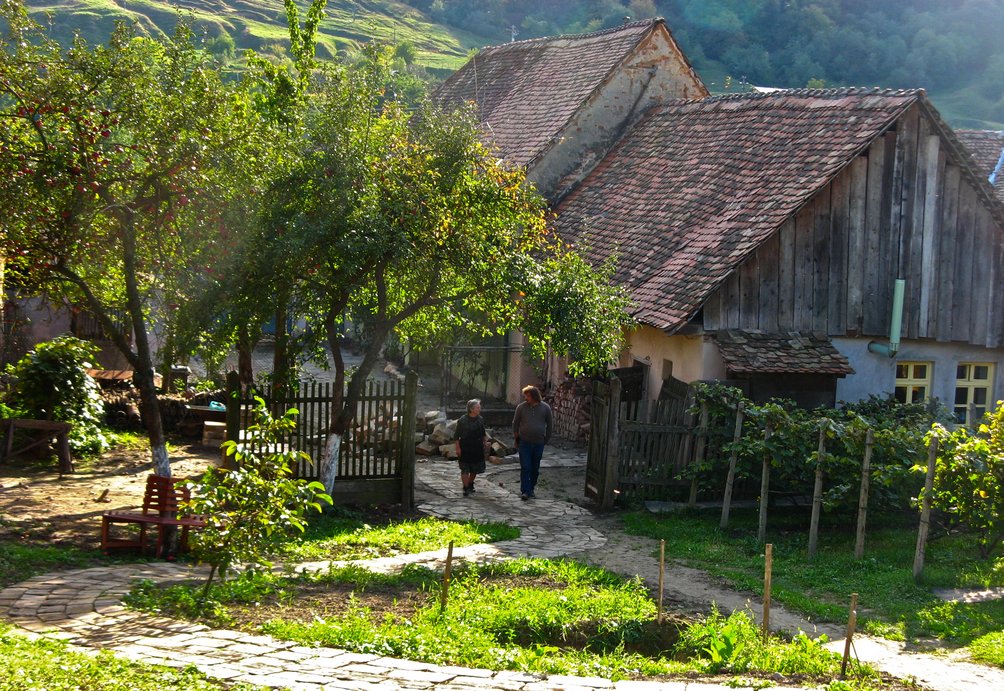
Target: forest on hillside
point(944, 47)
point(951, 49)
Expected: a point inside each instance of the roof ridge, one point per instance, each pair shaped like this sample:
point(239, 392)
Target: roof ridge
point(565, 37)
point(819, 93)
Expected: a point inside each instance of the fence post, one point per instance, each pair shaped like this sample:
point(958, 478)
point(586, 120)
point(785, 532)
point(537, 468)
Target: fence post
point(768, 573)
point(866, 471)
point(925, 513)
point(613, 444)
point(233, 414)
point(407, 440)
point(702, 442)
point(817, 496)
point(761, 534)
point(733, 457)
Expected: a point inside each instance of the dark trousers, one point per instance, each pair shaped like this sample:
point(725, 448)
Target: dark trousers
point(529, 466)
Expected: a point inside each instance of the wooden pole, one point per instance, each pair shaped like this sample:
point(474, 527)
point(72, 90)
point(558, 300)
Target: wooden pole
point(406, 440)
point(662, 573)
point(817, 496)
point(730, 479)
point(866, 471)
point(761, 534)
point(610, 473)
point(767, 569)
point(446, 578)
point(702, 442)
point(925, 513)
point(852, 621)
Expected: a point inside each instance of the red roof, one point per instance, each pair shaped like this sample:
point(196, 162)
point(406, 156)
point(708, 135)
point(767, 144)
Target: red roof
point(987, 148)
point(755, 352)
point(527, 91)
point(696, 186)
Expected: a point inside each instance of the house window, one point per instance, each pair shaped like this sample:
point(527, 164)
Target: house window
point(973, 391)
point(913, 381)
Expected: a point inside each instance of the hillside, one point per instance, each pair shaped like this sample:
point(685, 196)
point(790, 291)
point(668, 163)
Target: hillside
point(950, 49)
point(261, 25)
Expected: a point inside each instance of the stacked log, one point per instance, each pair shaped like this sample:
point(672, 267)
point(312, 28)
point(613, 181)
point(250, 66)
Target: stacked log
point(571, 405)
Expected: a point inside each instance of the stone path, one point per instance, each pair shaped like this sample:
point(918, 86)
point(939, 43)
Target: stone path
point(84, 607)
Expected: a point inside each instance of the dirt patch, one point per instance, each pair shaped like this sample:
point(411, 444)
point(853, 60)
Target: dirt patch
point(39, 506)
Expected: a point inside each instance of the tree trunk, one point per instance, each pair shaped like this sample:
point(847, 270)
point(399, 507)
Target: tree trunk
point(280, 356)
point(150, 412)
point(3, 309)
point(245, 362)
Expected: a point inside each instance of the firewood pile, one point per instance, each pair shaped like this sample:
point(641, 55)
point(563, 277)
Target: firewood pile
point(571, 406)
point(437, 432)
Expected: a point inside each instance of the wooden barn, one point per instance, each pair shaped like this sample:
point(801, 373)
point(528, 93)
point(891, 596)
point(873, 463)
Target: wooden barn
point(822, 245)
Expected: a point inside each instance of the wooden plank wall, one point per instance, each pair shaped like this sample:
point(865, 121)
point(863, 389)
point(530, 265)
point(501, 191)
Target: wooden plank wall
point(902, 209)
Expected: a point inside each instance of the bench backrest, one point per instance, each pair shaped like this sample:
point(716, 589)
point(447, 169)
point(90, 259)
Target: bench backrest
point(164, 495)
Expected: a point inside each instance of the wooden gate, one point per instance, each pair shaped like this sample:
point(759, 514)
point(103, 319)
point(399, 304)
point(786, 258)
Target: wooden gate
point(376, 463)
point(638, 448)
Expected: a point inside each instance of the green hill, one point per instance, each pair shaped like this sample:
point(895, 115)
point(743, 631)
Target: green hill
point(261, 25)
point(950, 49)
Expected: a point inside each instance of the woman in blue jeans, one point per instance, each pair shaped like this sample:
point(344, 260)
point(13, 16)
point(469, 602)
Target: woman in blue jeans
point(531, 427)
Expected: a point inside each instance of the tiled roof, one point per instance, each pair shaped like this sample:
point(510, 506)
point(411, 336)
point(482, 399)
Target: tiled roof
point(527, 91)
point(755, 352)
point(696, 186)
point(987, 148)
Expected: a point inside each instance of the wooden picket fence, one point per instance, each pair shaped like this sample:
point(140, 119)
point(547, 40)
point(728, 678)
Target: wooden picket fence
point(376, 462)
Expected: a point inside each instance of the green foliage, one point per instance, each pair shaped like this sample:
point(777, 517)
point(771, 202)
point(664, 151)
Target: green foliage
point(53, 665)
point(19, 562)
point(736, 644)
point(898, 445)
point(893, 604)
point(252, 508)
point(989, 649)
point(329, 537)
point(51, 383)
point(531, 615)
point(969, 479)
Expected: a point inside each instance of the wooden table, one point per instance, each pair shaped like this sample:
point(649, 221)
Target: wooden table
point(50, 429)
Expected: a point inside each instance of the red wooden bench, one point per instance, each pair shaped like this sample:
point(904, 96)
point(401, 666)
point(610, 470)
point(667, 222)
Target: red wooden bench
point(161, 501)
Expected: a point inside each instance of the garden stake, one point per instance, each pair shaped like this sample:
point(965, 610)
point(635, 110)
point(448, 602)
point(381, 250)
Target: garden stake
point(925, 514)
point(768, 566)
point(817, 496)
point(761, 535)
point(733, 457)
point(852, 621)
point(662, 573)
point(446, 578)
point(866, 471)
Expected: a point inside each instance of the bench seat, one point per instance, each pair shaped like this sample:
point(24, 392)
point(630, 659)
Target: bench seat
point(161, 502)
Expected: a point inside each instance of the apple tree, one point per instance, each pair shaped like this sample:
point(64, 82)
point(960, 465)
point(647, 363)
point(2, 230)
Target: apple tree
point(119, 161)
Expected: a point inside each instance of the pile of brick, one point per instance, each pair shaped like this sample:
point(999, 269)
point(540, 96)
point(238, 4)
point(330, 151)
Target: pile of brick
point(571, 404)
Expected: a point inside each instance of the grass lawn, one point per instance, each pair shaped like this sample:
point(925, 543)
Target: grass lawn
point(891, 603)
point(51, 665)
point(534, 615)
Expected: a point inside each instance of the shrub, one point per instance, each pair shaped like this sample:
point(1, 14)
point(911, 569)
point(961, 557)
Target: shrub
point(252, 508)
point(51, 383)
point(969, 479)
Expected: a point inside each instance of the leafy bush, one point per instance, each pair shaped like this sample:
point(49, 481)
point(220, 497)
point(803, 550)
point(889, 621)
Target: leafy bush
point(969, 479)
point(736, 644)
point(898, 444)
point(251, 509)
point(989, 648)
point(51, 383)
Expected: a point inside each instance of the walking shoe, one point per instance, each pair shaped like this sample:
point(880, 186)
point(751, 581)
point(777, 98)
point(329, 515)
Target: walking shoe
point(472, 490)
point(467, 491)
point(524, 496)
